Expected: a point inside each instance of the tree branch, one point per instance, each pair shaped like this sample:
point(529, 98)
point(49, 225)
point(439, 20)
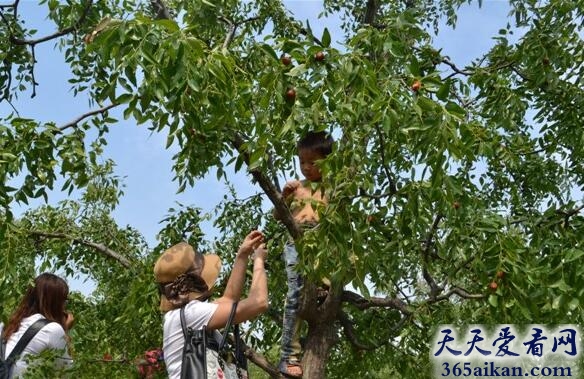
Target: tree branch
point(460, 267)
point(233, 28)
point(8, 83)
point(434, 288)
point(454, 68)
point(374, 302)
point(457, 70)
point(567, 214)
point(230, 36)
point(269, 189)
point(97, 246)
point(22, 42)
point(32, 78)
point(370, 12)
point(305, 33)
point(392, 187)
point(349, 331)
point(430, 237)
point(160, 10)
point(85, 115)
point(261, 361)
point(460, 292)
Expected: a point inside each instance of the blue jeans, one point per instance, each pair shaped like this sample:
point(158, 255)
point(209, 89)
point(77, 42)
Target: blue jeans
point(291, 348)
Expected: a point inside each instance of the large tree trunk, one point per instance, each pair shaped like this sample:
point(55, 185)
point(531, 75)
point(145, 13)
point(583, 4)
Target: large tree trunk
point(320, 339)
point(322, 330)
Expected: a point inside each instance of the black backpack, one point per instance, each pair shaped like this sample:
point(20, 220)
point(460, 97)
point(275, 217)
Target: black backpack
point(231, 360)
point(7, 363)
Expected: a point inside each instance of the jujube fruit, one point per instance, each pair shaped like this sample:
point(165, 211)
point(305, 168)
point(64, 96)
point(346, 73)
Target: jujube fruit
point(286, 60)
point(291, 94)
point(416, 86)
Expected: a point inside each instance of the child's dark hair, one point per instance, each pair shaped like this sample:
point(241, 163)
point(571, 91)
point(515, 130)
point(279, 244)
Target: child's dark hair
point(321, 142)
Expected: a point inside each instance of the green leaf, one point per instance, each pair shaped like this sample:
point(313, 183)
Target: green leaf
point(298, 70)
point(124, 98)
point(455, 110)
point(493, 300)
point(444, 91)
point(326, 38)
point(268, 49)
point(170, 25)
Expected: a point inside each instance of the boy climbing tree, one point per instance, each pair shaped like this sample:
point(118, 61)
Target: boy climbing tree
point(302, 200)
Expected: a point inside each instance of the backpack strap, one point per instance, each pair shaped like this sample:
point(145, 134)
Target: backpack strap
point(228, 326)
point(239, 349)
point(194, 359)
point(2, 348)
point(183, 323)
point(25, 339)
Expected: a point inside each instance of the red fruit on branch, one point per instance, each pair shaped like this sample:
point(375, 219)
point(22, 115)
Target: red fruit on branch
point(286, 60)
point(416, 86)
point(493, 286)
point(291, 94)
point(456, 205)
point(500, 274)
point(319, 57)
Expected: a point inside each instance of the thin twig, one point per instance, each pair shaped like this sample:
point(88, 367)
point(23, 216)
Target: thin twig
point(430, 237)
point(32, 78)
point(435, 289)
point(459, 267)
point(13, 107)
point(461, 293)
point(97, 246)
point(85, 115)
point(305, 33)
point(392, 187)
point(454, 68)
point(351, 335)
point(22, 42)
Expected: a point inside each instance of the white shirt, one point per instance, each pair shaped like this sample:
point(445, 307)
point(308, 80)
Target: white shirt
point(51, 336)
point(197, 315)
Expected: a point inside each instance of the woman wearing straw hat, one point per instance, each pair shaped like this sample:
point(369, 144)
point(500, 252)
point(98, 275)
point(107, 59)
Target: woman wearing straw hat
point(185, 279)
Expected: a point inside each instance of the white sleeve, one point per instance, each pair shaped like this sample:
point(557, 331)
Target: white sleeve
point(55, 338)
point(198, 313)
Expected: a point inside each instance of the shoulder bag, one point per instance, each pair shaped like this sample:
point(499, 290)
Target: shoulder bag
point(208, 355)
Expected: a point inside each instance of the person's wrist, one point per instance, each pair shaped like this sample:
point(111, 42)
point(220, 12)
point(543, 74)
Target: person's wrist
point(244, 252)
point(242, 255)
point(258, 261)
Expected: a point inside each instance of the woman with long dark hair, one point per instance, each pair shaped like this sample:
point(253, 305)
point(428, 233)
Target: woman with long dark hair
point(46, 299)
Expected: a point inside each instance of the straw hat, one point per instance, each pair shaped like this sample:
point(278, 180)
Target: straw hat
point(184, 275)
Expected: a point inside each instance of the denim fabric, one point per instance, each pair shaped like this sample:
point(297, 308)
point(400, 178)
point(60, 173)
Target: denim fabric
point(291, 348)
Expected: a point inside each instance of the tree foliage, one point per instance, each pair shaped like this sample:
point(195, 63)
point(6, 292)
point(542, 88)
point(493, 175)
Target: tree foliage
point(441, 177)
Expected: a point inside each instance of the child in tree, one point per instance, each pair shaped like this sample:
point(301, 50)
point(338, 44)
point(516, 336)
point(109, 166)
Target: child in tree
point(302, 199)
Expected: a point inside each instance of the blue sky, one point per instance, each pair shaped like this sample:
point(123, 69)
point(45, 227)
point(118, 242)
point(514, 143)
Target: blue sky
point(141, 157)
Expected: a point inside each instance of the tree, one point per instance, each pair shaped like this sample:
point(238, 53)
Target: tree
point(442, 175)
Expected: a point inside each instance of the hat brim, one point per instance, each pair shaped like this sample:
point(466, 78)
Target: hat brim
point(210, 273)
